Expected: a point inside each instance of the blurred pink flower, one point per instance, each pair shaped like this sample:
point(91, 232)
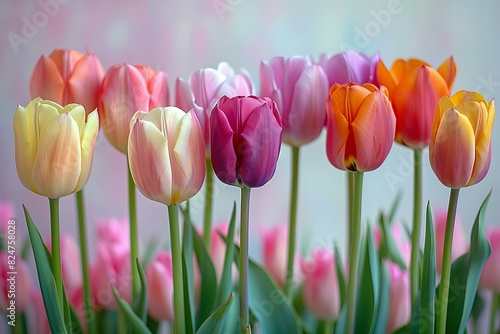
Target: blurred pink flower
point(275, 251)
point(18, 283)
point(160, 287)
point(490, 276)
point(218, 247)
point(399, 237)
point(400, 303)
point(6, 213)
point(71, 269)
point(40, 325)
point(460, 244)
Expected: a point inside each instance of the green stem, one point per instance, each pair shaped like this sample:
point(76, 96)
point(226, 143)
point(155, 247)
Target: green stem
point(20, 327)
point(134, 248)
point(415, 234)
point(122, 322)
point(89, 312)
point(327, 326)
point(56, 247)
point(495, 301)
point(293, 220)
point(354, 239)
point(207, 221)
point(444, 286)
point(175, 242)
point(243, 279)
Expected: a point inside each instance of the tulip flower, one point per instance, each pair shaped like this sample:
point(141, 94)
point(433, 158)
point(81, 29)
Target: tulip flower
point(460, 148)
point(113, 232)
point(126, 89)
point(415, 88)
point(40, 322)
point(71, 269)
point(350, 66)
point(218, 248)
point(491, 270)
point(67, 76)
point(6, 214)
point(398, 234)
point(321, 289)
point(400, 302)
point(161, 287)
point(246, 140)
point(275, 245)
point(360, 127)
point(166, 154)
point(299, 87)
point(460, 244)
point(21, 285)
point(54, 147)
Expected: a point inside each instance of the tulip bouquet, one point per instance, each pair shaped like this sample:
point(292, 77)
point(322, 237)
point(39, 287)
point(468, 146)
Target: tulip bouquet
point(389, 280)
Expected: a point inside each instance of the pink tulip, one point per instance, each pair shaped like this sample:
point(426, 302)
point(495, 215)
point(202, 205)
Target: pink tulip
point(246, 140)
point(71, 269)
point(400, 303)
point(161, 287)
point(491, 270)
point(321, 290)
point(275, 246)
point(299, 87)
point(6, 214)
point(21, 285)
point(166, 154)
point(398, 235)
point(67, 76)
point(460, 244)
point(113, 232)
point(218, 248)
point(125, 90)
point(204, 88)
point(350, 66)
point(40, 324)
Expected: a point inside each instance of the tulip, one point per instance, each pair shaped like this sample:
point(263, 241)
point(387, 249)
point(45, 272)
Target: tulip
point(161, 287)
point(218, 248)
point(321, 291)
point(398, 236)
point(360, 127)
point(460, 148)
point(67, 76)
point(299, 87)
point(400, 302)
point(113, 232)
point(350, 66)
point(166, 154)
point(275, 245)
point(204, 88)
point(126, 89)
point(71, 270)
point(22, 283)
point(415, 88)
point(246, 140)
point(41, 322)
point(54, 147)
point(6, 214)
point(460, 245)
point(491, 270)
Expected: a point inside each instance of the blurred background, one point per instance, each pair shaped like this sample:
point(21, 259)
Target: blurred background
point(179, 36)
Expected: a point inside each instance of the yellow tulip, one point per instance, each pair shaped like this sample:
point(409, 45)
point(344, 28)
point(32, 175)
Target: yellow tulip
point(54, 147)
point(460, 147)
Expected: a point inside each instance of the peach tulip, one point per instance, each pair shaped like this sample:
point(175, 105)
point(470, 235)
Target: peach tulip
point(54, 147)
point(166, 153)
point(414, 89)
point(360, 127)
point(161, 287)
point(460, 148)
point(68, 76)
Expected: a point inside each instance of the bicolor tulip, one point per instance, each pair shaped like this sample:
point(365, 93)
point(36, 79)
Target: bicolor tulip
point(299, 87)
point(204, 88)
point(350, 66)
point(360, 127)
point(22, 284)
point(400, 301)
point(460, 243)
point(321, 289)
point(274, 252)
point(161, 287)
point(246, 140)
point(491, 270)
point(166, 153)
point(125, 90)
point(68, 76)
point(54, 147)
point(415, 89)
point(460, 148)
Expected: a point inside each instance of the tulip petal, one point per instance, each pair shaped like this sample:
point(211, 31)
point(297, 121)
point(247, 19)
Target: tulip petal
point(337, 132)
point(158, 88)
point(448, 70)
point(221, 146)
point(89, 136)
point(184, 98)
point(205, 84)
point(46, 81)
point(159, 278)
point(84, 83)
point(385, 78)
point(347, 66)
point(25, 146)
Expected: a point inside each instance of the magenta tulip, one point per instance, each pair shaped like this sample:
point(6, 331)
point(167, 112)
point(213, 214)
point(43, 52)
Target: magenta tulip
point(350, 66)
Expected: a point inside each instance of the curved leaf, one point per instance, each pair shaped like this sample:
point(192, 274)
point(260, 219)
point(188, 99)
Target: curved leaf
point(215, 322)
point(138, 326)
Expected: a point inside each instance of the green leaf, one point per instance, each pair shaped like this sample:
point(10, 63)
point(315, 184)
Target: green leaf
point(138, 326)
point(141, 300)
point(477, 307)
point(340, 325)
point(215, 322)
point(394, 207)
point(368, 289)
point(384, 301)
point(389, 245)
point(45, 278)
point(70, 318)
point(188, 271)
point(424, 318)
point(226, 281)
point(465, 274)
point(340, 276)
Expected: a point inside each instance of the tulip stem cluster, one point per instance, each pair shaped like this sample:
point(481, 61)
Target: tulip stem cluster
point(207, 221)
point(175, 244)
point(415, 234)
point(354, 242)
point(56, 247)
point(444, 287)
point(293, 220)
point(243, 279)
point(134, 252)
point(89, 313)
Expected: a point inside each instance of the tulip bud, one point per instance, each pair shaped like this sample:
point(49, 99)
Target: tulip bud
point(460, 148)
point(275, 246)
point(360, 127)
point(459, 246)
point(246, 140)
point(160, 283)
point(54, 147)
point(350, 66)
point(125, 90)
point(166, 154)
point(491, 270)
point(400, 303)
point(16, 287)
point(67, 76)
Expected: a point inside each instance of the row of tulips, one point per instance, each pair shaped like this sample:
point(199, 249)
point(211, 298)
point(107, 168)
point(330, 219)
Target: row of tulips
point(222, 128)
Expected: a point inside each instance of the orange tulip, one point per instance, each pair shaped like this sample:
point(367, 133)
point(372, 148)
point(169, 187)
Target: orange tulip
point(414, 89)
point(460, 147)
point(360, 127)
